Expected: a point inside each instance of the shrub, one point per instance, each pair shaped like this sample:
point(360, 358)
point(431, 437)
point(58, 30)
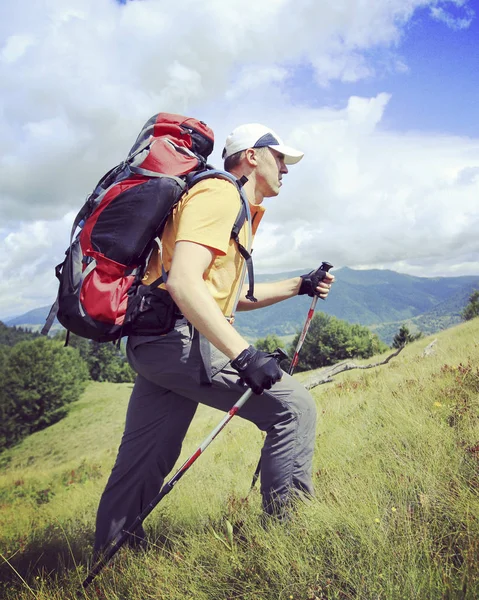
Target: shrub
point(330, 340)
point(403, 337)
point(472, 308)
point(268, 344)
point(40, 378)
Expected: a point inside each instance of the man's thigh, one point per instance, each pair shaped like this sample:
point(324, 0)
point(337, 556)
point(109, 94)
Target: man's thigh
point(173, 362)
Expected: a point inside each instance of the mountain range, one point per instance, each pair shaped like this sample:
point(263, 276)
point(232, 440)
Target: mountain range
point(381, 299)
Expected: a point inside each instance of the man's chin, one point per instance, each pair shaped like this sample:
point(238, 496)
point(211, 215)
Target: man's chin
point(272, 194)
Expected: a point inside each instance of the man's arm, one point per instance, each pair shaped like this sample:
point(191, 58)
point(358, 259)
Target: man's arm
point(271, 293)
point(187, 287)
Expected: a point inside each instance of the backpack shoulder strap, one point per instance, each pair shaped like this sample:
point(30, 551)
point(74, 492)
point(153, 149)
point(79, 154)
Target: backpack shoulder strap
point(244, 215)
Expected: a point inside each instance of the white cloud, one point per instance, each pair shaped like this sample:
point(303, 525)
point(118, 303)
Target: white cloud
point(364, 196)
point(252, 79)
point(103, 68)
point(79, 77)
point(27, 259)
point(349, 67)
point(15, 47)
point(454, 22)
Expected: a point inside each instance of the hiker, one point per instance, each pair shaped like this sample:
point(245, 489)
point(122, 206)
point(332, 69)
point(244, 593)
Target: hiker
point(204, 359)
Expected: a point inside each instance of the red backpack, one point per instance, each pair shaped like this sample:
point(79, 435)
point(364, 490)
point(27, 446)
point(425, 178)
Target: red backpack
point(100, 295)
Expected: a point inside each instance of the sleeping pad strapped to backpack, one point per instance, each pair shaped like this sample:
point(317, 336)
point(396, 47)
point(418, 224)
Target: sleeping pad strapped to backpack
point(100, 295)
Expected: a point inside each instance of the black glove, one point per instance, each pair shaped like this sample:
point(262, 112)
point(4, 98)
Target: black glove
point(258, 369)
point(310, 281)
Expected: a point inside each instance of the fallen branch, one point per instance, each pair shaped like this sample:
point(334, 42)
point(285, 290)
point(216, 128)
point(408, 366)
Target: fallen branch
point(327, 373)
point(429, 350)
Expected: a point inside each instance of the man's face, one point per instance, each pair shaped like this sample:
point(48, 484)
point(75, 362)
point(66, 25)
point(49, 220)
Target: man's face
point(269, 172)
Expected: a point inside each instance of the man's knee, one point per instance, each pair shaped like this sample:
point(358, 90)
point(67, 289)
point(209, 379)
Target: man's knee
point(307, 404)
point(298, 407)
point(303, 407)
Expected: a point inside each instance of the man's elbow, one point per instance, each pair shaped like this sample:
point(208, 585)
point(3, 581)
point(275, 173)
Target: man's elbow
point(182, 287)
point(174, 287)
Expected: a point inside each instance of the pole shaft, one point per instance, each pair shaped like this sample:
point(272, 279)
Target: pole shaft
point(302, 337)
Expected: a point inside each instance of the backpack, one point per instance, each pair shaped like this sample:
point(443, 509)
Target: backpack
point(100, 294)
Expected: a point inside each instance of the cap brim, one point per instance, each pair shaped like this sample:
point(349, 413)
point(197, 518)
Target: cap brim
point(291, 156)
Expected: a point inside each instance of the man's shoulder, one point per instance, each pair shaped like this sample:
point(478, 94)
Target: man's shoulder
point(214, 182)
point(214, 187)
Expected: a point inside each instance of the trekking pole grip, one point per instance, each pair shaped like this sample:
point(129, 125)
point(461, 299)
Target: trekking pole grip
point(325, 266)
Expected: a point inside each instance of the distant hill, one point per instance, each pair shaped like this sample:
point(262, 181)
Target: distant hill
point(35, 317)
point(444, 315)
point(371, 297)
point(34, 320)
point(380, 299)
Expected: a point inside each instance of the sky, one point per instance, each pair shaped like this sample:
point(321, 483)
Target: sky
point(382, 97)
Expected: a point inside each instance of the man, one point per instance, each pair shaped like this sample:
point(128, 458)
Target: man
point(205, 270)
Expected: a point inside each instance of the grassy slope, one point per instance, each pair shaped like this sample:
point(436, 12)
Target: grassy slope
point(395, 514)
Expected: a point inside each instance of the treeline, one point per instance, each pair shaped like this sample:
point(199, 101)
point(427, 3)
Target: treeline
point(9, 336)
point(329, 340)
point(40, 377)
point(105, 362)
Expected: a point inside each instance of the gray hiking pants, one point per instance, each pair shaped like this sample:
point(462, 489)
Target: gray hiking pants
point(166, 394)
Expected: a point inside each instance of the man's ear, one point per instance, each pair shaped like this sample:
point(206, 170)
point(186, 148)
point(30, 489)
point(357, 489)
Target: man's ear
point(251, 157)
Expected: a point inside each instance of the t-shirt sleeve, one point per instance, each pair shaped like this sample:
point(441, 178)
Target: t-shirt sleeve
point(207, 214)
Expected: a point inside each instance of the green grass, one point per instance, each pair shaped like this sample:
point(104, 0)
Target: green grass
point(395, 515)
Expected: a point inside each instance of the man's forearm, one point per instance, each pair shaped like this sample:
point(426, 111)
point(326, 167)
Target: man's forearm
point(270, 293)
point(201, 310)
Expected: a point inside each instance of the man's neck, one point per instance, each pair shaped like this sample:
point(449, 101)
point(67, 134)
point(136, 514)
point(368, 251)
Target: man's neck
point(253, 195)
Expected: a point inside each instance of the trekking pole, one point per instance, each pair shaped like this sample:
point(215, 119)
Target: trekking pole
point(167, 487)
point(325, 266)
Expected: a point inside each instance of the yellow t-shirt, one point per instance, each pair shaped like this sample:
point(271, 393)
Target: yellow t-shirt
point(205, 215)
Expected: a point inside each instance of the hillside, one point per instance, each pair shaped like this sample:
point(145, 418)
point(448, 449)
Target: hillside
point(33, 320)
point(380, 299)
point(395, 513)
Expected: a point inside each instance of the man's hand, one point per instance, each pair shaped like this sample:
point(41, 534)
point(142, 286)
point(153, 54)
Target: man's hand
point(259, 370)
point(316, 283)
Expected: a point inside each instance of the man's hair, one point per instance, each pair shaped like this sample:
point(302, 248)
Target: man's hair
point(234, 160)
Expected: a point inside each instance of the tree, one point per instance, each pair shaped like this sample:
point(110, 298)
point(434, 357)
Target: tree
point(403, 337)
point(330, 340)
point(4, 352)
point(268, 344)
point(106, 362)
point(271, 343)
point(75, 341)
point(40, 378)
point(472, 308)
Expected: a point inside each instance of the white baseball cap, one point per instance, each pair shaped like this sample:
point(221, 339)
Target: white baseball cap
point(254, 135)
